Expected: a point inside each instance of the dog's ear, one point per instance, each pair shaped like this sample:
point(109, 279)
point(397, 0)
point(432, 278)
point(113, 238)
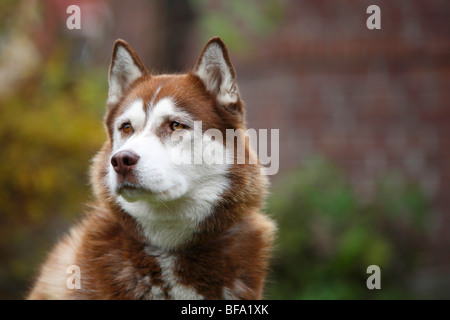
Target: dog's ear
point(125, 68)
point(214, 68)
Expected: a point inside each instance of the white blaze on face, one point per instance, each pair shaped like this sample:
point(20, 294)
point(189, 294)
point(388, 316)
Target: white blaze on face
point(176, 196)
point(135, 115)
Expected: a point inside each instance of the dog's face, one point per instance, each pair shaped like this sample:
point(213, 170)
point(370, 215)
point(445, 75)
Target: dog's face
point(162, 130)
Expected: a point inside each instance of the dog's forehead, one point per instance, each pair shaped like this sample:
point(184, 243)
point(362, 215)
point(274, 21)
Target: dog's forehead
point(184, 91)
point(134, 111)
point(146, 91)
point(188, 99)
point(152, 114)
point(147, 105)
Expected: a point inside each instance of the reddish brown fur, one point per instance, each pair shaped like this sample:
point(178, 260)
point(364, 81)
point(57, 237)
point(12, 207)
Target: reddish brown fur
point(226, 258)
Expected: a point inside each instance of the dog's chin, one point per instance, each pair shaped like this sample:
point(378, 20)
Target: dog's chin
point(132, 193)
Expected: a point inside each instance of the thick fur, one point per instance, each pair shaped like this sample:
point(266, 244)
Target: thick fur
point(194, 231)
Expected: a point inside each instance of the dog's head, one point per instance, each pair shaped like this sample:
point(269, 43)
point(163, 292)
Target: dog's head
point(167, 156)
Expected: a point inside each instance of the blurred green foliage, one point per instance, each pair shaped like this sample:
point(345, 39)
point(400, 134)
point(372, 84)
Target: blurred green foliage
point(238, 23)
point(51, 126)
point(328, 236)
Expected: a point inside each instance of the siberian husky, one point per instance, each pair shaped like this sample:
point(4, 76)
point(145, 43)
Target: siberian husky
point(167, 224)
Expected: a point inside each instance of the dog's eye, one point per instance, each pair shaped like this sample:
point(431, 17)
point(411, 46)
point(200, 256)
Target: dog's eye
point(177, 126)
point(126, 127)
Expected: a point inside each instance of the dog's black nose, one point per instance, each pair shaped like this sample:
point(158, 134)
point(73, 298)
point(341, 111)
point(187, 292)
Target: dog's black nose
point(124, 161)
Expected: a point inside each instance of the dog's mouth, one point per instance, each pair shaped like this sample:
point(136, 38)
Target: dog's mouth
point(131, 191)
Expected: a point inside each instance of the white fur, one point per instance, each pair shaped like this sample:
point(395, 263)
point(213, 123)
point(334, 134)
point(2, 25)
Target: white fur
point(178, 196)
point(157, 293)
point(236, 291)
point(135, 115)
point(123, 72)
point(176, 290)
point(211, 62)
point(166, 109)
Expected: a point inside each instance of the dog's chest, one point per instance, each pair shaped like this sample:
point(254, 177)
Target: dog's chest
point(158, 275)
point(117, 266)
point(170, 283)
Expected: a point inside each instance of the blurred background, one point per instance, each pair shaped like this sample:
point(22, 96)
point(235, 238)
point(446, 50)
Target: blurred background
point(364, 120)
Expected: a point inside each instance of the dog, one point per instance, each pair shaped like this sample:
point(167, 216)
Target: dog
point(161, 228)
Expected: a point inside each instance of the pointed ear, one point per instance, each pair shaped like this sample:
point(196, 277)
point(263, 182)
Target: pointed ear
point(125, 68)
point(214, 68)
